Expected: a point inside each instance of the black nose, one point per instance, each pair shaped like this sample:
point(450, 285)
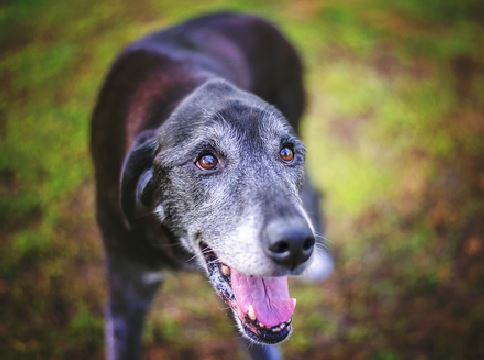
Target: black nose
point(288, 243)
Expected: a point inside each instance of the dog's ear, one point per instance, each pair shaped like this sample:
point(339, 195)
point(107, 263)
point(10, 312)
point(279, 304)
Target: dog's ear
point(137, 184)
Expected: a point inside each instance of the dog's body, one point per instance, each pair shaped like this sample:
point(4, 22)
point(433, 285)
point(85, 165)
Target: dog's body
point(174, 104)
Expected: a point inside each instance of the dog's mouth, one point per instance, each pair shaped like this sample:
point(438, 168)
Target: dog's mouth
point(262, 305)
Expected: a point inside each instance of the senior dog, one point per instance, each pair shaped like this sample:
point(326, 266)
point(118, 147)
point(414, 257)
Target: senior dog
point(198, 165)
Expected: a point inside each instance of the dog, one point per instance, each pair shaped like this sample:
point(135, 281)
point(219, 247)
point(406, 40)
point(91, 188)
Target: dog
point(198, 165)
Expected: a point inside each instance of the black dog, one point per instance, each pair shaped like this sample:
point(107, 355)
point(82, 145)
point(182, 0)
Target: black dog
point(198, 165)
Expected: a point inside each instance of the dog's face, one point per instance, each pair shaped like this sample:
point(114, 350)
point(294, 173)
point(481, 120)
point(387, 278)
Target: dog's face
point(226, 178)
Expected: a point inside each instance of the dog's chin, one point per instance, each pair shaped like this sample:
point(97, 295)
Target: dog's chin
point(256, 327)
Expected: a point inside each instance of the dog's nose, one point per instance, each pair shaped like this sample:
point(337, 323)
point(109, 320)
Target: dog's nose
point(288, 243)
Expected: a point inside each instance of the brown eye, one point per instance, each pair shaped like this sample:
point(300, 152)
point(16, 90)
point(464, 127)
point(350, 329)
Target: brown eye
point(207, 161)
point(286, 154)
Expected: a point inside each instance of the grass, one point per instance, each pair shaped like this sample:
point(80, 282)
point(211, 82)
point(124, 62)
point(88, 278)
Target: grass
point(394, 131)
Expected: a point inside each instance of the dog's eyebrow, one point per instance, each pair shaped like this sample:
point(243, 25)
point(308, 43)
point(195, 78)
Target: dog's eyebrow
point(298, 144)
point(223, 143)
point(208, 145)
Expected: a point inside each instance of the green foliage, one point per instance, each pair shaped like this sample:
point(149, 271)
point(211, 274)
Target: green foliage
point(394, 133)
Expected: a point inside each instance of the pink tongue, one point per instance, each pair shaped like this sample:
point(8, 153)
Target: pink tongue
point(269, 296)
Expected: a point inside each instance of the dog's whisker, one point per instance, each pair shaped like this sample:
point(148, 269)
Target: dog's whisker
point(323, 248)
point(321, 236)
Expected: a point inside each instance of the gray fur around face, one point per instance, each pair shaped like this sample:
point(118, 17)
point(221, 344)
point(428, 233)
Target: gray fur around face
point(228, 208)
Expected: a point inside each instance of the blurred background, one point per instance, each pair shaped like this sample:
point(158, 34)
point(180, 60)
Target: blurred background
point(394, 130)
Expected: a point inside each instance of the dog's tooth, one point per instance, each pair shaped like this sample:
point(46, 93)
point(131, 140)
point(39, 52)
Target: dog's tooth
point(282, 326)
point(225, 270)
point(276, 329)
point(251, 312)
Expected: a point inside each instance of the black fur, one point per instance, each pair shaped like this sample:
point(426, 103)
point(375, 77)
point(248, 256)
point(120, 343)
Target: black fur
point(144, 112)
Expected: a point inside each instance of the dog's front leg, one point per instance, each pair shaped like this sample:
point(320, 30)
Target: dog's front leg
point(259, 351)
point(131, 289)
point(322, 263)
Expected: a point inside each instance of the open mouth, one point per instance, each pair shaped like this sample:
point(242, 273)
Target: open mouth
point(262, 305)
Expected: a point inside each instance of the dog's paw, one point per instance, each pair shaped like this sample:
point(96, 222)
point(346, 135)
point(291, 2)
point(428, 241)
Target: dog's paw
point(320, 268)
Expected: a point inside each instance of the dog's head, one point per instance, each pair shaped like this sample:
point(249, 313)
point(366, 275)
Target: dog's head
point(224, 174)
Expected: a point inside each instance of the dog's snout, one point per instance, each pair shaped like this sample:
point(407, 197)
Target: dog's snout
point(288, 243)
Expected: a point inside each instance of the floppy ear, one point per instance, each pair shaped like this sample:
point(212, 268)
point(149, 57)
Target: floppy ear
point(137, 184)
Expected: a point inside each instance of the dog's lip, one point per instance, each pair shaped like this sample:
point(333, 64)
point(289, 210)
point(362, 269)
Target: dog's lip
point(253, 328)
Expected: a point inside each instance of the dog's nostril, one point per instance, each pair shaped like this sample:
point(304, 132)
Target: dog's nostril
point(288, 243)
point(308, 243)
point(280, 247)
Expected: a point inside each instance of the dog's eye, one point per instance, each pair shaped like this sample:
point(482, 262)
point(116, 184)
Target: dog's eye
point(207, 161)
point(286, 153)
